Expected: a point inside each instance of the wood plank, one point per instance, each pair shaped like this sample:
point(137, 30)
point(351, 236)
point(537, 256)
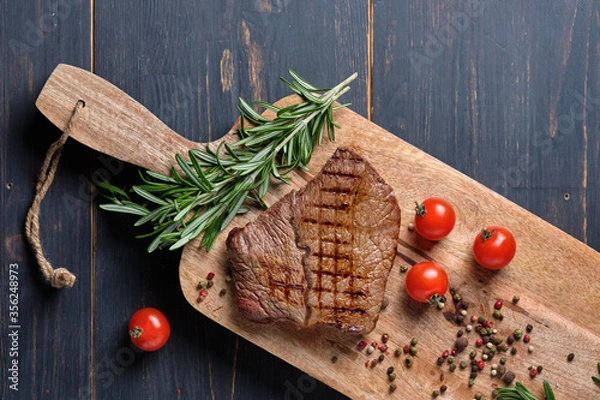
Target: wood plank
point(54, 328)
point(591, 96)
point(188, 62)
point(541, 305)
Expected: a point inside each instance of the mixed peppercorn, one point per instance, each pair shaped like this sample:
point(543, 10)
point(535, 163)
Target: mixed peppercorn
point(207, 283)
point(487, 348)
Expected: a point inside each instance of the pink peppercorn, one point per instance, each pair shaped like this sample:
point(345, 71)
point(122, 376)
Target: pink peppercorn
point(210, 276)
point(526, 338)
point(362, 344)
point(446, 354)
point(479, 342)
point(480, 364)
point(533, 372)
point(498, 304)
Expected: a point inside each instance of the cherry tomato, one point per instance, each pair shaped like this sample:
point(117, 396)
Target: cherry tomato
point(494, 247)
point(426, 281)
point(149, 329)
point(434, 218)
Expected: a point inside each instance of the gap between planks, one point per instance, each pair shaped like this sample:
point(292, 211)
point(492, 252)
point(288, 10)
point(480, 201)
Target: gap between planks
point(93, 223)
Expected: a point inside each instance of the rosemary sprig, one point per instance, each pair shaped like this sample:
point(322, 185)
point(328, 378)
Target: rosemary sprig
point(520, 392)
point(216, 184)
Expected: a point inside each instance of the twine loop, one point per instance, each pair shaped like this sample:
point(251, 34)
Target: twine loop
point(59, 277)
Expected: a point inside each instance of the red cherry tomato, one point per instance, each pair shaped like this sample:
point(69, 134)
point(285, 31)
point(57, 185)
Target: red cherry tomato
point(494, 247)
point(149, 329)
point(426, 280)
point(434, 218)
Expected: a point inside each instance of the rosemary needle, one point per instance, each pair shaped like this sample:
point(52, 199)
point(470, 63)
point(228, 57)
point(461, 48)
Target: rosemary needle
point(520, 392)
point(213, 185)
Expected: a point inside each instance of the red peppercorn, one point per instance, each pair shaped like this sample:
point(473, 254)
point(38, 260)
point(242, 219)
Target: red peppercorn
point(362, 344)
point(202, 295)
point(454, 351)
point(374, 344)
point(210, 275)
point(382, 348)
point(480, 364)
point(498, 304)
point(479, 342)
point(526, 338)
point(406, 349)
point(473, 318)
point(446, 354)
point(533, 372)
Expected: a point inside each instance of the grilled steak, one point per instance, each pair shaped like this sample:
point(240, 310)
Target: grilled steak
point(322, 254)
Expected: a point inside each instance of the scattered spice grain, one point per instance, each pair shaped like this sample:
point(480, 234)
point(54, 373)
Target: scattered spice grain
point(508, 377)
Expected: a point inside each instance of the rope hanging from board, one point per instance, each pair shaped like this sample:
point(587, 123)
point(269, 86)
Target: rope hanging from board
point(59, 277)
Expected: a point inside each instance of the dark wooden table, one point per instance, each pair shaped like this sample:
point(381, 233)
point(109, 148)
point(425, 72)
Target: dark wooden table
point(507, 92)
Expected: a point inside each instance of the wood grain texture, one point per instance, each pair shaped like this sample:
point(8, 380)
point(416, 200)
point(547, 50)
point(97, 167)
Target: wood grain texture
point(507, 93)
point(53, 338)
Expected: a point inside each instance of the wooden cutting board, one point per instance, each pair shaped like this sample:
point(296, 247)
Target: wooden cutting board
point(556, 276)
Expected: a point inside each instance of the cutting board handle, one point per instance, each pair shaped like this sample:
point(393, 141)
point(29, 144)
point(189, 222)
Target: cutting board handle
point(111, 122)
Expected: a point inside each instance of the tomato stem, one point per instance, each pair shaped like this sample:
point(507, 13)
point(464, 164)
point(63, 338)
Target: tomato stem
point(420, 209)
point(485, 234)
point(136, 332)
point(436, 300)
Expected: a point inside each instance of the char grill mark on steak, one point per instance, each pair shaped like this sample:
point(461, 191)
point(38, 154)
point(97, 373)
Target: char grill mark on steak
point(331, 262)
point(322, 254)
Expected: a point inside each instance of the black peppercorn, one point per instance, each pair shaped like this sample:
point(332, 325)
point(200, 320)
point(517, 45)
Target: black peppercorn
point(500, 371)
point(509, 376)
point(461, 343)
